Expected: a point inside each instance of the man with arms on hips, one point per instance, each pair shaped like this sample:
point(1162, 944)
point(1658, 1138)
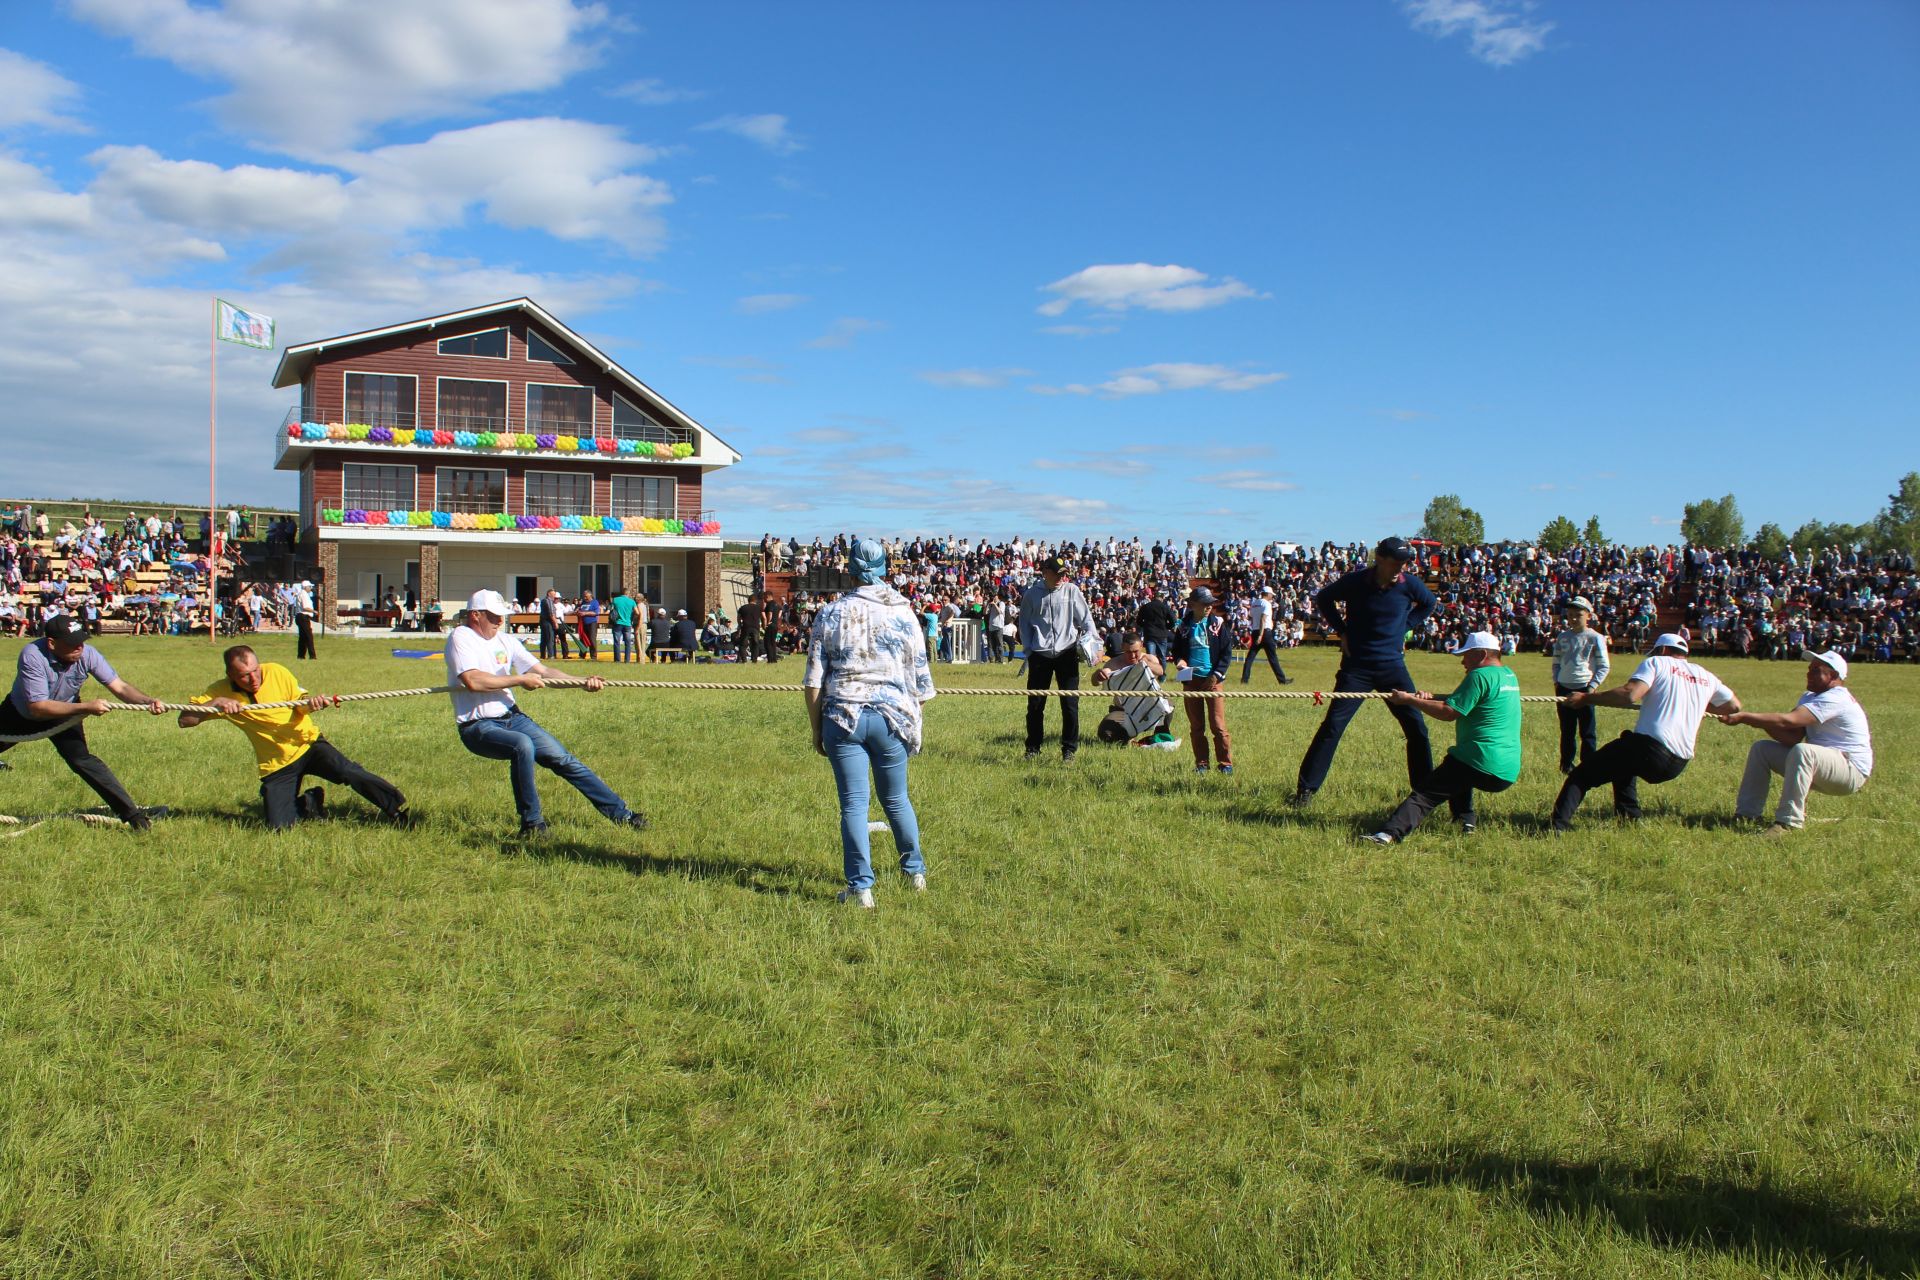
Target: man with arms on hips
point(286, 745)
point(1383, 603)
point(1265, 639)
point(1579, 666)
point(1486, 745)
point(46, 690)
point(1822, 745)
point(1672, 694)
point(484, 666)
point(303, 620)
point(1054, 623)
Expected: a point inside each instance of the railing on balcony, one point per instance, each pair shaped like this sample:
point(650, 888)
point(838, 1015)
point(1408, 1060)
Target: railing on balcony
point(467, 507)
point(539, 424)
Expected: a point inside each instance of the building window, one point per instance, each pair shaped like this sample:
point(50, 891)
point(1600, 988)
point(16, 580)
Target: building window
point(470, 405)
point(381, 399)
point(597, 578)
point(649, 497)
point(559, 410)
point(461, 489)
point(365, 487)
point(653, 579)
point(631, 422)
point(492, 344)
point(538, 348)
point(559, 493)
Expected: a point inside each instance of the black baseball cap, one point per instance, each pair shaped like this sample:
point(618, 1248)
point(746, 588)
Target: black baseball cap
point(1200, 595)
point(1053, 564)
point(1396, 548)
point(64, 629)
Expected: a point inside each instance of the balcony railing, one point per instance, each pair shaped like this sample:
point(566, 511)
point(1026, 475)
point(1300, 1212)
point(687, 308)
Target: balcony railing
point(478, 423)
point(429, 526)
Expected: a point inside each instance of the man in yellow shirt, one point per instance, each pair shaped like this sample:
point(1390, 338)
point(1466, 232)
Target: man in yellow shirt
point(286, 743)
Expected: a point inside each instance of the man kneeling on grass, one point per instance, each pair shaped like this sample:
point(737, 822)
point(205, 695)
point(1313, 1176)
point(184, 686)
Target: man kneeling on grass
point(1486, 745)
point(285, 742)
point(1822, 745)
point(484, 666)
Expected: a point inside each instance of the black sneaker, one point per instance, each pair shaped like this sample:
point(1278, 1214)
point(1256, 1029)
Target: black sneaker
point(138, 820)
point(1300, 800)
point(1033, 754)
point(1466, 827)
point(638, 821)
point(311, 804)
point(401, 818)
point(1066, 757)
point(533, 830)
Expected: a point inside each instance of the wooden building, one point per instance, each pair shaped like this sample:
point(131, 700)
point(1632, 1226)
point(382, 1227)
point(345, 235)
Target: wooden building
point(494, 447)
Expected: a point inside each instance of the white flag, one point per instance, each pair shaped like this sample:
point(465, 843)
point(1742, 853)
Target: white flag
point(243, 327)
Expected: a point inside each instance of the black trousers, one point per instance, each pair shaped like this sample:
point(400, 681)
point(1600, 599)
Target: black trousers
point(1451, 781)
point(996, 644)
point(1319, 758)
point(1266, 643)
point(280, 790)
point(1625, 762)
point(305, 649)
point(770, 640)
point(1575, 720)
point(72, 746)
point(1062, 668)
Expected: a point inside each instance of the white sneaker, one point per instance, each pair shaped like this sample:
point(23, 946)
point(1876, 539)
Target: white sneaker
point(1378, 837)
point(917, 882)
point(858, 897)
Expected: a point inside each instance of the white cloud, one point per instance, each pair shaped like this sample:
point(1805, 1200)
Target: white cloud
point(769, 131)
point(1152, 379)
point(1247, 481)
point(29, 202)
point(1079, 330)
point(973, 379)
point(1498, 32)
point(842, 333)
point(33, 93)
point(569, 178)
point(826, 435)
point(761, 303)
point(1102, 464)
point(1120, 287)
point(314, 76)
point(656, 93)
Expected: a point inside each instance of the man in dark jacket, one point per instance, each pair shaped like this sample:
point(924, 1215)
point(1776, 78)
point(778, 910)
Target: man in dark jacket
point(686, 637)
point(659, 636)
point(1383, 602)
point(1203, 654)
point(749, 631)
point(1155, 622)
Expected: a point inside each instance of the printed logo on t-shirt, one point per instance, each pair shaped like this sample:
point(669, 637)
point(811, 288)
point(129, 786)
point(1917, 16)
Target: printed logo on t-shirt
point(500, 657)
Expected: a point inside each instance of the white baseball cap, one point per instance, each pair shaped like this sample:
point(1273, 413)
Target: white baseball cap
point(1671, 640)
point(1266, 591)
point(1831, 657)
point(488, 602)
point(1580, 602)
point(1478, 640)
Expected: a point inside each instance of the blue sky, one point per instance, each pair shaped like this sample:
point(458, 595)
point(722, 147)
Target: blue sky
point(1271, 270)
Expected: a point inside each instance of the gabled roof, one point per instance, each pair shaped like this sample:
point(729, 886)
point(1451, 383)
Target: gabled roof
point(296, 362)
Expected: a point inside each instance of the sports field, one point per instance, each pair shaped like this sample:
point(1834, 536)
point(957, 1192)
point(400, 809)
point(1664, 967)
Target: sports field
point(1144, 1024)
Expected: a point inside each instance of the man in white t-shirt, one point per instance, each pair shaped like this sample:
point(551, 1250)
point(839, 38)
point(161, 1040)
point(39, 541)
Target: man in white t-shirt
point(1822, 745)
point(485, 664)
point(1673, 695)
point(1265, 639)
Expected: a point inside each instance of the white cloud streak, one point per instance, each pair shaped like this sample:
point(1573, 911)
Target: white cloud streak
point(1498, 31)
point(1153, 379)
point(1122, 287)
point(769, 131)
point(842, 332)
point(973, 379)
point(34, 94)
point(760, 304)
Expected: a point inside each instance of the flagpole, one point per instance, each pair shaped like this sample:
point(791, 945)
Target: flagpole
point(213, 412)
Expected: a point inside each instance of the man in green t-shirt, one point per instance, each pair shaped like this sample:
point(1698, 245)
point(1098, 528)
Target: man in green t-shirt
point(1486, 746)
point(622, 608)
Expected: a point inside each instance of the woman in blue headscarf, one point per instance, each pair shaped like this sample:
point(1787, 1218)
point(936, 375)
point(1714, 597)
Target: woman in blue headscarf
point(867, 674)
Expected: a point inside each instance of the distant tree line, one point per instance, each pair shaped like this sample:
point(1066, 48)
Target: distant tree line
point(1710, 522)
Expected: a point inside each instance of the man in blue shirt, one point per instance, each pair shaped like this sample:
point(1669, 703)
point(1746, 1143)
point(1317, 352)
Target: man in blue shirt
point(47, 691)
point(1383, 602)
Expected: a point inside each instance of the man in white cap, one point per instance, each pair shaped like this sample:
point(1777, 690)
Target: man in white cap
point(303, 620)
point(1579, 666)
point(1485, 756)
point(1822, 745)
point(1265, 639)
point(485, 664)
point(1673, 694)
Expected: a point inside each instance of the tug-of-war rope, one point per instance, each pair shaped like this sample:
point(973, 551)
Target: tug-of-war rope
point(1317, 697)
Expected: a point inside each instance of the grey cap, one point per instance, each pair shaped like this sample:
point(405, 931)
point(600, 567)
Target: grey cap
point(1200, 595)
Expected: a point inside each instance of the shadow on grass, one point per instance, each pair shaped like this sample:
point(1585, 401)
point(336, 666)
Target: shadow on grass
point(1678, 1210)
point(747, 875)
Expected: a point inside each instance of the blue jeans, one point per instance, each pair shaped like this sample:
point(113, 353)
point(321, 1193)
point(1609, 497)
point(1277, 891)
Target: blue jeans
point(850, 754)
point(516, 739)
point(622, 643)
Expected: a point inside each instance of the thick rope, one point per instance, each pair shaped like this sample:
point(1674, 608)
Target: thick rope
point(36, 820)
point(1317, 697)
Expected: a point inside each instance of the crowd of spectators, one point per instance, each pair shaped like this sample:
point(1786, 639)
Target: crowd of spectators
point(1843, 599)
point(148, 571)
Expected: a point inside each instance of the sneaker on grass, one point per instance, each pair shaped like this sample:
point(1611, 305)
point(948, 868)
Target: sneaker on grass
point(862, 898)
point(1378, 837)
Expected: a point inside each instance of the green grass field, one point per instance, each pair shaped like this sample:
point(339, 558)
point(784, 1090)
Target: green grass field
point(1143, 1025)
